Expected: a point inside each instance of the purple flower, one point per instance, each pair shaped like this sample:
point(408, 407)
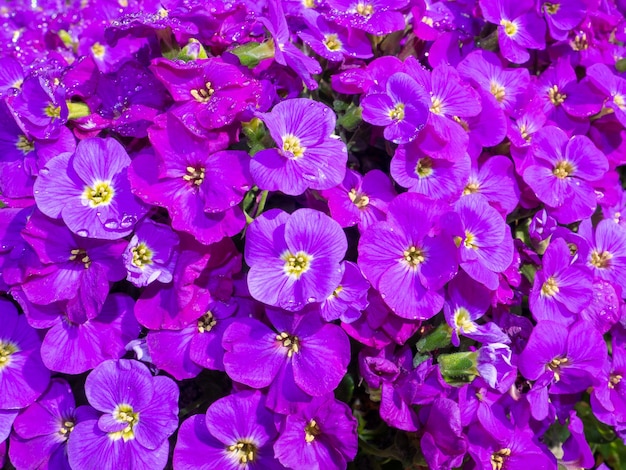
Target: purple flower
point(436, 178)
point(23, 377)
point(74, 343)
point(563, 16)
point(376, 17)
point(42, 111)
point(309, 154)
point(443, 442)
point(612, 86)
point(519, 27)
point(72, 268)
point(301, 358)
point(403, 262)
point(562, 289)
point(236, 434)
point(562, 171)
point(349, 298)
point(483, 238)
point(493, 363)
point(90, 191)
point(495, 180)
point(138, 412)
point(572, 359)
point(151, 254)
point(495, 443)
point(320, 435)
point(332, 41)
point(42, 430)
point(508, 86)
point(468, 301)
point(360, 199)
point(607, 254)
point(449, 100)
point(209, 92)
point(399, 109)
point(286, 53)
point(294, 259)
point(191, 176)
point(11, 78)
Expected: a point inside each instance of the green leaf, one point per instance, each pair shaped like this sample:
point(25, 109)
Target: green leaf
point(621, 65)
point(459, 368)
point(345, 390)
point(436, 339)
point(252, 53)
point(351, 118)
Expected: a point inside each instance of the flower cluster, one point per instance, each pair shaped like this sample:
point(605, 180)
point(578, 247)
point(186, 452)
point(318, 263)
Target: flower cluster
point(297, 234)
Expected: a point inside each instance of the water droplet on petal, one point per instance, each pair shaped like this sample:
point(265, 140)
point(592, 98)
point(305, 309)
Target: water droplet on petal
point(82, 233)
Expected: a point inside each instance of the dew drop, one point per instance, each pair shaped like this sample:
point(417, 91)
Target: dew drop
point(82, 233)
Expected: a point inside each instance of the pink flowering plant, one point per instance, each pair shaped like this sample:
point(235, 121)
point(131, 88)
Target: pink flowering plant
point(313, 234)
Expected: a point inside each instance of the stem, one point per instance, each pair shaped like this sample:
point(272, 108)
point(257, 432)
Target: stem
point(262, 202)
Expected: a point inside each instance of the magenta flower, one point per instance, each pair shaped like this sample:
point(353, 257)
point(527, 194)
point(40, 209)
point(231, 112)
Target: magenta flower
point(563, 16)
point(137, 413)
point(572, 359)
point(236, 433)
point(376, 17)
point(563, 288)
point(435, 178)
point(42, 430)
point(607, 253)
point(294, 259)
point(321, 435)
point(300, 358)
point(332, 41)
point(508, 86)
point(399, 110)
point(191, 176)
point(404, 262)
point(613, 88)
point(519, 27)
point(90, 191)
point(309, 154)
point(72, 268)
point(209, 92)
point(562, 171)
point(484, 240)
point(495, 180)
point(151, 254)
point(349, 298)
point(360, 200)
point(23, 377)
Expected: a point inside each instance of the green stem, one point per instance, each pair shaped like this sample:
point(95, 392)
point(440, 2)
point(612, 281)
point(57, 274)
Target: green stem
point(262, 202)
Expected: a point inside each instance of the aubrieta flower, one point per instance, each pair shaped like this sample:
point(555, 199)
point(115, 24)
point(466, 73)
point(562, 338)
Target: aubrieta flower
point(320, 436)
point(236, 433)
point(194, 178)
point(71, 267)
point(209, 90)
point(42, 430)
point(562, 288)
point(300, 358)
point(137, 413)
point(360, 200)
point(495, 180)
point(294, 259)
point(607, 250)
point(23, 377)
point(562, 172)
point(485, 246)
point(508, 86)
point(404, 262)
point(332, 41)
point(436, 178)
point(286, 53)
point(571, 358)
point(151, 254)
point(90, 191)
point(519, 27)
point(309, 154)
point(349, 298)
point(443, 444)
point(376, 17)
point(612, 86)
point(399, 109)
point(563, 16)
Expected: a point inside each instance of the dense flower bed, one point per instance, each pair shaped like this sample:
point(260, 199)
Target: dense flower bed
point(312, 234)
